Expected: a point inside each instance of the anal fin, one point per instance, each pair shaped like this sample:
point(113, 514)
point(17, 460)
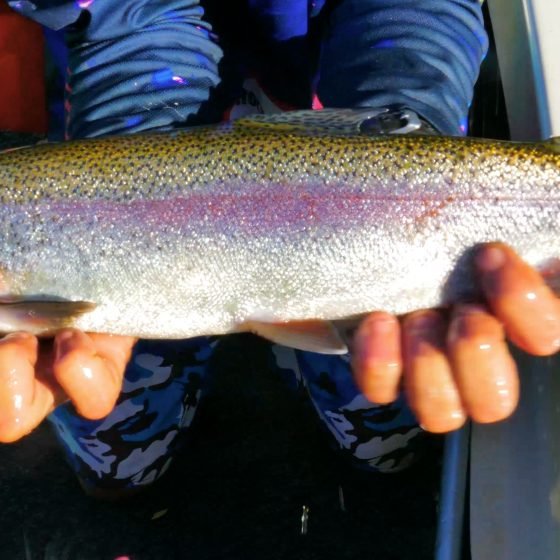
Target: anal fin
point(314, 336)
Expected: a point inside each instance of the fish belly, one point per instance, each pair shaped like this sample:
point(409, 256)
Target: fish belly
point(207, 263)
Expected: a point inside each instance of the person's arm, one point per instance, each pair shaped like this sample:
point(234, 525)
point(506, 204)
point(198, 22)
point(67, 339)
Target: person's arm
point(132, 66)
point(423, 54)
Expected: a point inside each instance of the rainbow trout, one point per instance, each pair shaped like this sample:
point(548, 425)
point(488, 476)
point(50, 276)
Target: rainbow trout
point(276, 225)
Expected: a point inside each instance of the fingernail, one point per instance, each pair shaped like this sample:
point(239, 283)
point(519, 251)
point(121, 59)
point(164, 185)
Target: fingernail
point(469, 308)
point(456, 329)
point(425, 321)
point(20, 335)
point(64, 336)
point(373, 339)
point(65, 342)
point(490, 259)
point(424, 335)
point(550, 326)
point(464, 322)
point(445, 422)
point(379, 325)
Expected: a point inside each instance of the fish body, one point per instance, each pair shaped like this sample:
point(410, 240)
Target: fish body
point(214, 229)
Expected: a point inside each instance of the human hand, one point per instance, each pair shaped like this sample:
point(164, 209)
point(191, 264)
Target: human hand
point(36, 376)
point(461, 367)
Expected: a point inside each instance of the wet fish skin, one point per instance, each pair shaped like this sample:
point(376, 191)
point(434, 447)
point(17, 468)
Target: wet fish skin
point(208, 230)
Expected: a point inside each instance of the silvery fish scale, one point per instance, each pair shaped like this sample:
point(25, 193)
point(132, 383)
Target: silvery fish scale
point(272, 220)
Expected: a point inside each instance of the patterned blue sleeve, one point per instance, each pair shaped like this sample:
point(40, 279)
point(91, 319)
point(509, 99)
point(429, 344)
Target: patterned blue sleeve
point(163, 52)
point(421, 53)
point(424, 54)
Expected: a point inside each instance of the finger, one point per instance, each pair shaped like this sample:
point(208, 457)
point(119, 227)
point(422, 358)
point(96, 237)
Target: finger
point(484, 370)
point(115, 350)
point(24, 400)
point(90, 369)
point(376, 362)
point(428, 378)
point(518, 296)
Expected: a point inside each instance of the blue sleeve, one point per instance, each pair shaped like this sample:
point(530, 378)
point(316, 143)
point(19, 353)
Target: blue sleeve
point(162, 51)
point(424, 54)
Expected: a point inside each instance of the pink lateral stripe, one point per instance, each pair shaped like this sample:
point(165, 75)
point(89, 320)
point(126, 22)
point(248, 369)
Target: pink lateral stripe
point(258, 210)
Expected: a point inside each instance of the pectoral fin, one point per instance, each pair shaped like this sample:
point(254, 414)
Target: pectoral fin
point(40, 316)
point(313, 336)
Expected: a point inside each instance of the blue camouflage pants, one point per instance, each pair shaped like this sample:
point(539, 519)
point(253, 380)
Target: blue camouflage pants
point(163, 385)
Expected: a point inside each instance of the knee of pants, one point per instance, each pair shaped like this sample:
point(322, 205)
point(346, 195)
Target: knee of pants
point(384, 438)
point(134, 445)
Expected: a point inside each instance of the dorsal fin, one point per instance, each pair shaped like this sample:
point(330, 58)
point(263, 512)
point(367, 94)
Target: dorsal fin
point(326, 121)
point(552, 144)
